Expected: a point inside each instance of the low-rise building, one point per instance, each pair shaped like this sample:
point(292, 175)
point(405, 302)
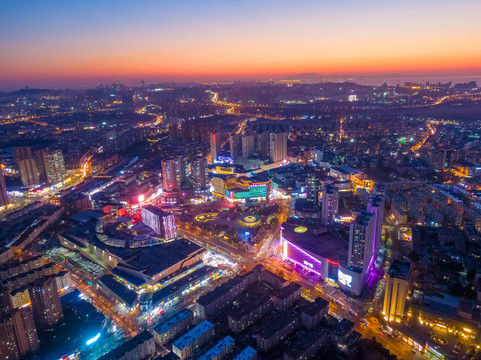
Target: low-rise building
point(185, 346)
point(140, 347)
point(167, 330)
point(220, 350)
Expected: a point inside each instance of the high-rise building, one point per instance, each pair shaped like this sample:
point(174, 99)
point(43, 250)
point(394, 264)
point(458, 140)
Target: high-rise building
point(47, 310)
point(317, 155)
point(3, 189)
point(262, 147)
point(235, 142)
point(25, 331)
point(278, 147)
point(330, 204)
point(174, 173)
point(8, 342)
point(199, 173)
point(161, 222)
point(51, 165)
point(26, 166)
point(215, 145)
point(313, 187)
point(248, 147)
point(396, 290)
point(375, 206)
point(361, 239)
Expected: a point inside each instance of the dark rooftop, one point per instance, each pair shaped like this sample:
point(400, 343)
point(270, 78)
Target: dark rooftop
point(122, 291)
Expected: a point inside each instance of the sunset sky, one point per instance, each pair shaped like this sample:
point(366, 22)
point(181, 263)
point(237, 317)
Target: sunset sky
point(68, 43)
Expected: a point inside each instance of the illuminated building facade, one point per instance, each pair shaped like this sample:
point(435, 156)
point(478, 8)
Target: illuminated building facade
point(330, 204)
point(46, 306)
point(199, 173)
point(375, 206)
point(215, 145)
point(51, 166)
point(242, 189)
point(396, 290)
point(323, 254)
point(361, 240)
point(25, 330)
point(174, 173)
point(278, 147)
point(8, 342)
point(26, 166)
point(247, 146)
point(161, 222)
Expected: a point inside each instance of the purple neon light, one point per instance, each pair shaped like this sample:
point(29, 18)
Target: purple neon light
point(304, 252)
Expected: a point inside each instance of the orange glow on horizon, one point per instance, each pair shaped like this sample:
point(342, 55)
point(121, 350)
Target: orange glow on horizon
point(233, 40)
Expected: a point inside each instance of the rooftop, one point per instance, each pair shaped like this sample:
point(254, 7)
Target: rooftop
point(154, 210)
point(167, 324)
point(399, 269)
point(217, 349)
point(128, 346)
point(328, 244)
point(193, 334)
point(180, 284)
point(122, 291)
point(246, 354)
point(313, 308)
point(278, 321)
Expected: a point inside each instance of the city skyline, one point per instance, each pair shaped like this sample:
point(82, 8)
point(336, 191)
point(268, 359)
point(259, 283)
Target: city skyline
point(83, 43)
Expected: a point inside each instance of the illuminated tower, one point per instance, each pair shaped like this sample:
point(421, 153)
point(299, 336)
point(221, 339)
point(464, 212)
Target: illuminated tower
point(361, 239)
point(396, 290)
point(174, 173)
point(248, 146)
point(278, 147)
point(46, 306)
point(235, 144)
point(51, 166)
point(330, 204)
point(26, 166)
point(8, 342)
point(375, 206)
point(25, 331)
point(199, 173)
point(215, 145)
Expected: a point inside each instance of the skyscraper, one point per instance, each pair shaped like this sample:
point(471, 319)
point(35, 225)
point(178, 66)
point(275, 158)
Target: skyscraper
point(248, 146)
point(199, 173)
point(330, 204)
point(8, 342)
point(278, 147)
point(26, 166)
point(174, 173)
point(262, 147)
point(396, 290)
point(51, 166)
point(361, 238)
point(235, 144)
point(375, 206)
point(313, 187)
point(215, 145)
point(25, 330)
point(18, 335)
point(47, 310)
point(3, 189)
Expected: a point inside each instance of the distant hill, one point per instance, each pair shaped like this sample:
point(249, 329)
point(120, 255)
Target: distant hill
point(303, 76)
point(23, 92)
